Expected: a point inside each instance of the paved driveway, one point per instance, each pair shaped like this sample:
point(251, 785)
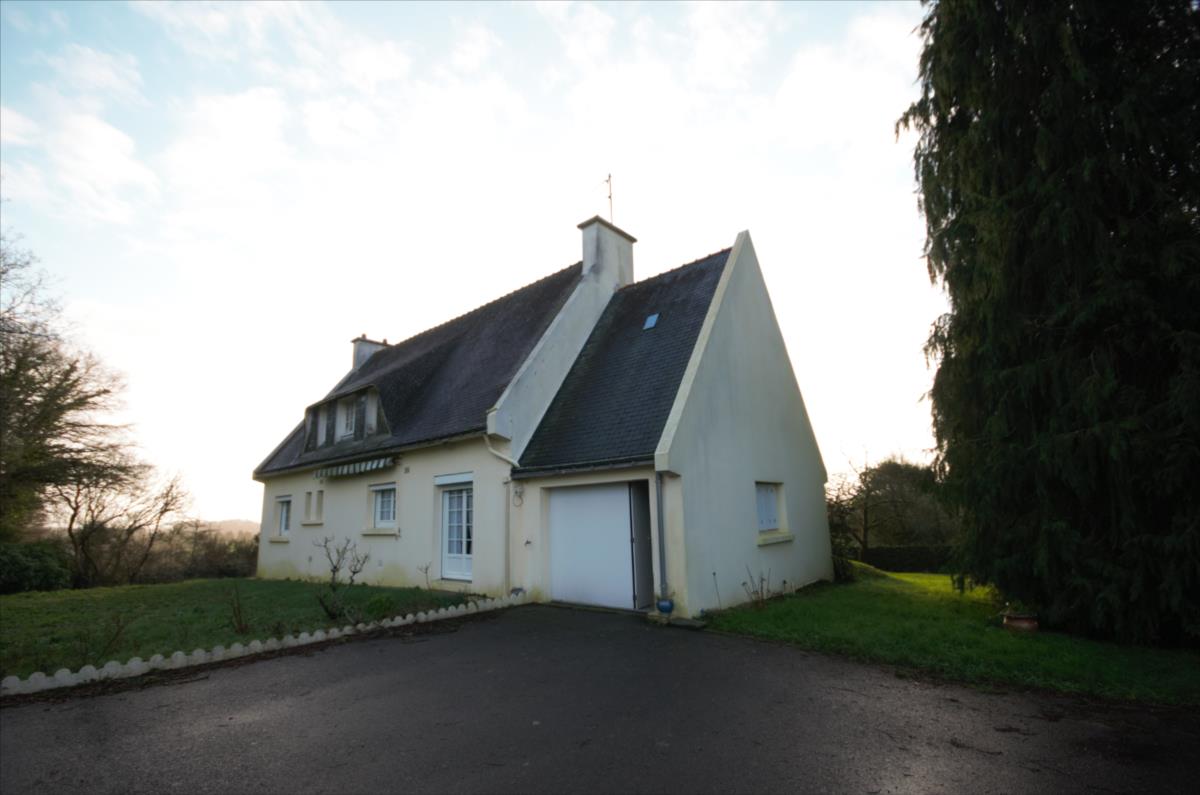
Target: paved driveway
point(549, 699)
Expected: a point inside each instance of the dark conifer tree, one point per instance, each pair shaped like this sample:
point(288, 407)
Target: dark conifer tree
point(1059, 167)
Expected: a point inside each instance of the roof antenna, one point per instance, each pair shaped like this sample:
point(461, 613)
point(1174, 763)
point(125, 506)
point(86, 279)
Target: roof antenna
point(610, 214)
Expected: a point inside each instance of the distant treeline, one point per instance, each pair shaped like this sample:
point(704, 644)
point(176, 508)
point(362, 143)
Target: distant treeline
point(187, 550)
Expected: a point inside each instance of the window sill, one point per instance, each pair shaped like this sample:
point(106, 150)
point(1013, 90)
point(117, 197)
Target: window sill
point(774, 537)
point(311, 524)
point(381, 531)
point(454, 580)
point(278, 540)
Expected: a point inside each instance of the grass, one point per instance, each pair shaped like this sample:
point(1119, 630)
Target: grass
point(920, 622)
point(45, 631)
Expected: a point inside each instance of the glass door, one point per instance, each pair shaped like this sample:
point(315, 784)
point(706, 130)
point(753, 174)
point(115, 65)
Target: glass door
point(457, 531)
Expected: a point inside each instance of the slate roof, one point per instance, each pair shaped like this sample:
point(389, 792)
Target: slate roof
point(441, 383)
point(614, 402)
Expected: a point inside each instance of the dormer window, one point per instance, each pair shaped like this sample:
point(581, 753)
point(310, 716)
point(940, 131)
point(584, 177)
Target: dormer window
point(346, 409)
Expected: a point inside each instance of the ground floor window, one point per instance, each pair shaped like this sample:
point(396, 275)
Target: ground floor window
point(457, 533)
point(384, 505)
point(283, 513)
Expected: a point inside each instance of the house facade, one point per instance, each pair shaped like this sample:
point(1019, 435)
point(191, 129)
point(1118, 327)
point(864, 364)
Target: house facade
point(587, 438)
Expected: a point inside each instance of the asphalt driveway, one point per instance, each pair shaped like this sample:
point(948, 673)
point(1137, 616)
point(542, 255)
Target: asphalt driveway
point(546, 699)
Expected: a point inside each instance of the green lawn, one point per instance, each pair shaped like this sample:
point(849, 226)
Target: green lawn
point(45, 631)
point(919, 621)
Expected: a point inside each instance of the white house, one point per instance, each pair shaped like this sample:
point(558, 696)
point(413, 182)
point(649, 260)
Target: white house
point(586, 438)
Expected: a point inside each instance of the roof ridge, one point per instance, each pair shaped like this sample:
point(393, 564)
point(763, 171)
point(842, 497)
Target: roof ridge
point(481, 307)
point(697, 261)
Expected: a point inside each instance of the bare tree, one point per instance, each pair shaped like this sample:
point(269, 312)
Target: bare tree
point(113, 520)
point(344, 555)
point(339, 556)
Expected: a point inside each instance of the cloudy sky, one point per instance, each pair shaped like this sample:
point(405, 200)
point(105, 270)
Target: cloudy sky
point(226, 194)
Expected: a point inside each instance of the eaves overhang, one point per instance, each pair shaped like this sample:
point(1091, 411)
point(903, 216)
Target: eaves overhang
point(362, 456)
point(629, 462)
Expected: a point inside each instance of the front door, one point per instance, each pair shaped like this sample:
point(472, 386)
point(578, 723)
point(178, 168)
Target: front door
point(457, 531)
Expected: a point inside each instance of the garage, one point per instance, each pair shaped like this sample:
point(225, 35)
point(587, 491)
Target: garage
point(600, 545)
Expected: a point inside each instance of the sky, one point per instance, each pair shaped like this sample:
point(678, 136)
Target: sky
point(225, 195)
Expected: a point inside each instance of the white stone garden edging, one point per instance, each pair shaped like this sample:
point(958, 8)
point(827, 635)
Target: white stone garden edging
point(38, 681)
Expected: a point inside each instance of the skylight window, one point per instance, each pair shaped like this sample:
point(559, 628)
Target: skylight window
point(651, 321)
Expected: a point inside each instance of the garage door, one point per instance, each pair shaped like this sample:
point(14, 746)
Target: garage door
point(590, 559)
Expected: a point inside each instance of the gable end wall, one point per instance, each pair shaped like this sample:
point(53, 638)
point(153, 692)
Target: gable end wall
point(740, 418)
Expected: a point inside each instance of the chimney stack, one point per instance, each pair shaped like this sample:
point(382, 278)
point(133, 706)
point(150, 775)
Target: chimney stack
point(364, 348)
point(607, 250)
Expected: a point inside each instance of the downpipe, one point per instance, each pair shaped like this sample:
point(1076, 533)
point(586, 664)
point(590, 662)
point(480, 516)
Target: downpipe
point(507, 513)
point(665, 603)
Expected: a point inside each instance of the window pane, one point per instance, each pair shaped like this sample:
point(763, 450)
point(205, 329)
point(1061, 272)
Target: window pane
point(767, 506)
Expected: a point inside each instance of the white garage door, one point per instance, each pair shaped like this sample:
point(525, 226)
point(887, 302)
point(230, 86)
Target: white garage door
point(590, 559)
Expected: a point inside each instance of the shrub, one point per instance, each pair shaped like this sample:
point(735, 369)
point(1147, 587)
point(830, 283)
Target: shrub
point(842, 543)
point(37, 566)
point(914, 558)
point(381, 606)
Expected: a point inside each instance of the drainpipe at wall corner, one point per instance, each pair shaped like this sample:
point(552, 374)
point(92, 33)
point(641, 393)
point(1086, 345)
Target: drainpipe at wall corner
point(507, 536)
point(665, 603)
point(487, 440)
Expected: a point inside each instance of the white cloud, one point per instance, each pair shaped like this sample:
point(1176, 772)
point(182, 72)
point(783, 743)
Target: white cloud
point(209, 19)
point(58, 19)
point(475, 45)
point(53, 21)
point(848, 95)
point(232, 144)
point(15, 129)
point(22, 182)
point(368, 66)
point(727, 39)
point(584, 30)
point(17, 18)
point(340, 122)
point(98, 74)
point(96, 165)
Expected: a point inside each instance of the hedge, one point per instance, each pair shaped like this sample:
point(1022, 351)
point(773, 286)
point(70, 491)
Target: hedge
point(37, 566)
point(916, 558)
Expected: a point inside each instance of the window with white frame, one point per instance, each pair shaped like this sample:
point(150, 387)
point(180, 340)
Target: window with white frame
point(283, 514)
point(767, 498)
point(458, 533)
point(383, 501)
